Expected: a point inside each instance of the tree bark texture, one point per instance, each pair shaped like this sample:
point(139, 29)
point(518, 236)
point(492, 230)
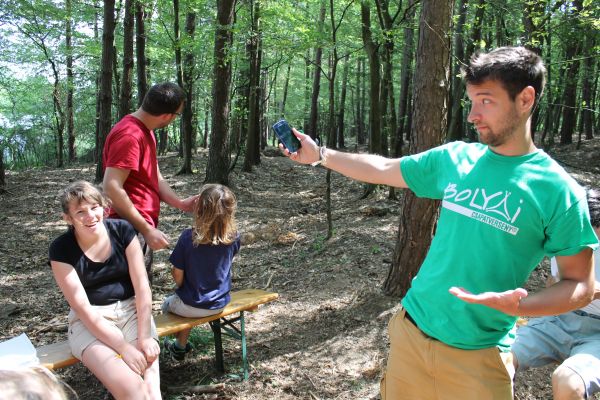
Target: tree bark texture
point(105, 93)
point(457, 123)
point(571, 74)
point(419, 216)
point(140, 51)
point(342, 106)
point(374, 80)
point(316, 86)
point(127, 76)
point(187, 126)
point(253, 136)
point(405, 78)
point(70, 82)
point(217, 169)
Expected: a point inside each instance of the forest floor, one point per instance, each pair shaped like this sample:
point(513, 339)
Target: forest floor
point(325, 338)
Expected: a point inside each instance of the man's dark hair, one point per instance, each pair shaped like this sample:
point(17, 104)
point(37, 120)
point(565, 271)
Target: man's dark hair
point(514, 67)
point(163, 98)
point(593, 198)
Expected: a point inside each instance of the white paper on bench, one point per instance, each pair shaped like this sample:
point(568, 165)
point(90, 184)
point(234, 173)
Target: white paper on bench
point(18, 352)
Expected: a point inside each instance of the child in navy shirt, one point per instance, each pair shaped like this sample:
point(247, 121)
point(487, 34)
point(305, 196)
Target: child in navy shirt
point(202, 263)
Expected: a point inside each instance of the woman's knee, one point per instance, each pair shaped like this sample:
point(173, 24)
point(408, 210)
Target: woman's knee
point(566, 384)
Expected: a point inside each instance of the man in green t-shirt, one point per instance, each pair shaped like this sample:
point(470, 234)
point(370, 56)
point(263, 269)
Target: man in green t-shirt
point(513, 205)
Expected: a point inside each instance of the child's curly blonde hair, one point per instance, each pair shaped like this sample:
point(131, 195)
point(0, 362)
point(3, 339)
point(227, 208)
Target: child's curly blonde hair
point(214, 216)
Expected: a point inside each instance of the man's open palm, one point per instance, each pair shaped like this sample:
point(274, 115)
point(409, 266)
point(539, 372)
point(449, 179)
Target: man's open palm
point(506, 302)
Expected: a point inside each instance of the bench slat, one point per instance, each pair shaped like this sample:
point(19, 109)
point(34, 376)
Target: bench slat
point(244, 300)
point(58, 355)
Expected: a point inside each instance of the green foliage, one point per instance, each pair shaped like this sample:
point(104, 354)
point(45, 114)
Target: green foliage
point(32, 42)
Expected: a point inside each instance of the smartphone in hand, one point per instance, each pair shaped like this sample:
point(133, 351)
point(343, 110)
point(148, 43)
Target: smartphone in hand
point(286, 136)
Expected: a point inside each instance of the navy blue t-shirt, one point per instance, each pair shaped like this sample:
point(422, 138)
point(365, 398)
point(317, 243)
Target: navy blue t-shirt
point(104, 282)
point(207, 271)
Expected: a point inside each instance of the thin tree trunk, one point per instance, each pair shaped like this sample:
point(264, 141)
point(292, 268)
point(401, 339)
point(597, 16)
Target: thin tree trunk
point(285, 92)
point(187, 126)
point(316, 87)
point(2, 171)
point(405, 78)
point(70, 83)
point(456, 126)
point(474, 44)
point(178, 62)
point(342, 105)
point(217, 169)
point(108, 37)
point(587, 87)
point(419, 216)
point(140, 51)
point(253, 135)
point(374, 80)
point(571, 74)
point(127, 77)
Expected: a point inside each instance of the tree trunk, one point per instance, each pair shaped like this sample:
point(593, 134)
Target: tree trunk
point(387, 85)
point(140, 51)
point(333, 62)
point(405, 78)
point(2, 171)
point(587, 88)
point(473, 45)
point(417, 222)
point(342, 106)
point(178, 62)
point(105, 123)
point(126, 80)
point(307, 90)
point(217, 167)
point(285, 92)
point(534, 11)
point(374, 80)
point(571, 74)
point(360, 101)
point(316, 87)
point(187, 126)
point(70, 83)
point(253, 135)
point(456, 126)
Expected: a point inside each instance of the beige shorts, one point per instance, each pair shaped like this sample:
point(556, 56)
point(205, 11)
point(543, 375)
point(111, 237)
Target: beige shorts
point(175, 305)
point(420, 367)
point(122, 317)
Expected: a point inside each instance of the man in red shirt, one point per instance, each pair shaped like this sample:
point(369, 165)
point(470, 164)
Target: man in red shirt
point(132, 179)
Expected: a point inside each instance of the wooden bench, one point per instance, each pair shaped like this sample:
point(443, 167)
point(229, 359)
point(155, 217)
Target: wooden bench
point(58, 355)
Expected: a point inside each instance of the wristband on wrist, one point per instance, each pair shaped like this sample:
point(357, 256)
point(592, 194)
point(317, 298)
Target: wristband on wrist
point(322, 157)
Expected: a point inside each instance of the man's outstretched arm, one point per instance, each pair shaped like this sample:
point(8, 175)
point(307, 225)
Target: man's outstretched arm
point(370, 168)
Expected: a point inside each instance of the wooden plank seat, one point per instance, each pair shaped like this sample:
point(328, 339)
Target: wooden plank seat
point(58, 355)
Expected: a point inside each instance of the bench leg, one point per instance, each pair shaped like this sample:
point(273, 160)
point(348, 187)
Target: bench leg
point(216, 328)
point(244, 353)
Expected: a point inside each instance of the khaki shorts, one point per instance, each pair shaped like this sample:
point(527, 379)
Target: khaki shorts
point(420, 367)
point(122, 316)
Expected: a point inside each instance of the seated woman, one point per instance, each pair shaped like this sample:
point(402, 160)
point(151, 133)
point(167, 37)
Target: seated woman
point(99, 267)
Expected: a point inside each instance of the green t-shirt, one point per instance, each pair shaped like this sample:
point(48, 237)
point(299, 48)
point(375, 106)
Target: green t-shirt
point(499, 217)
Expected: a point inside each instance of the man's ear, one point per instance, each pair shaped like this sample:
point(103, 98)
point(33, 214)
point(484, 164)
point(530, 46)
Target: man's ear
point(526, 99)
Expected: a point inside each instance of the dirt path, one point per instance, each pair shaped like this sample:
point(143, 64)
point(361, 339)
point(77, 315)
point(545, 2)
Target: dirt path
point(326, 336)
